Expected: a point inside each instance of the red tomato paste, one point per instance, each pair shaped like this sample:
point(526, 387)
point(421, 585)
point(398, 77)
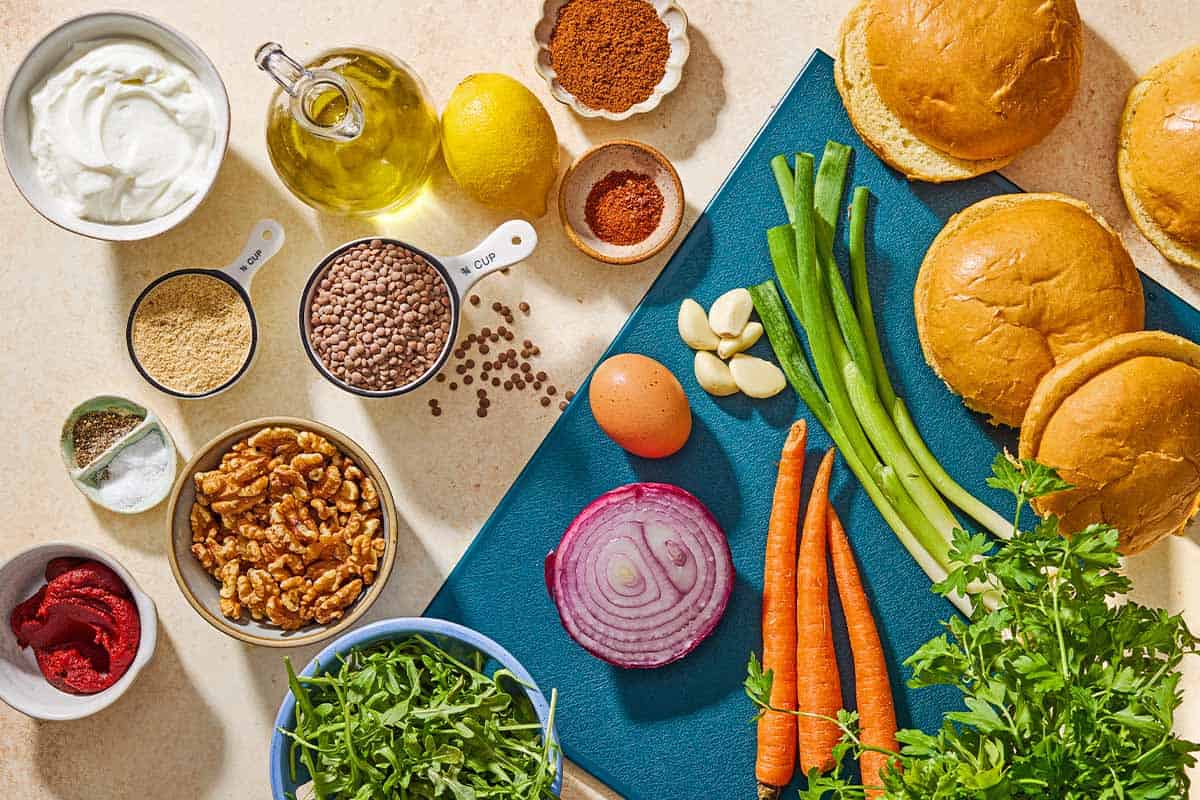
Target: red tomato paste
point(83, 626)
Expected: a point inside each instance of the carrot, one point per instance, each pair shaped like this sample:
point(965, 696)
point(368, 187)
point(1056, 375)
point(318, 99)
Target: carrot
point(776, 758)
point(872, 689)
point(819, 687)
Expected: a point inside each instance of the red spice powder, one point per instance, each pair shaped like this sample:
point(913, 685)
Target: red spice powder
point(609, 54)
point(624, 207)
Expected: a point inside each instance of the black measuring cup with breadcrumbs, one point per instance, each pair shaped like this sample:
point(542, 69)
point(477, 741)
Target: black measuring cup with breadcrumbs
point(192, 333)
point(379, 317)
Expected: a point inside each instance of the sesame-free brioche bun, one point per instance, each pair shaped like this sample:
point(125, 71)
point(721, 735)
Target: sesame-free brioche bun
point(944, 90)
point(1121, 423)
point(1158, 158)
point(1014, 285)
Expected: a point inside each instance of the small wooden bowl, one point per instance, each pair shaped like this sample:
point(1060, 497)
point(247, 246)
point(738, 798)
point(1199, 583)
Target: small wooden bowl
point(592, 167)
point(202, 590)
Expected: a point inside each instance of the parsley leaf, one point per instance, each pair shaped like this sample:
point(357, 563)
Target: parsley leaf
point(1069, 691)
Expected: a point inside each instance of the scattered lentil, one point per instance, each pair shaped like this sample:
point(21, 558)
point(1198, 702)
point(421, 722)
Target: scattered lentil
point(192, 333)
point(524, 307)
point(474, 299)
point(545, 401)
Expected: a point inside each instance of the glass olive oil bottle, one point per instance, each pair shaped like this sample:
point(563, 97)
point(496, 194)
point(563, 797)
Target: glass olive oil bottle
point(353, 132)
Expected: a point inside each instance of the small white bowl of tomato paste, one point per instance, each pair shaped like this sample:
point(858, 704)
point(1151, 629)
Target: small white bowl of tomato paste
point(75, 630)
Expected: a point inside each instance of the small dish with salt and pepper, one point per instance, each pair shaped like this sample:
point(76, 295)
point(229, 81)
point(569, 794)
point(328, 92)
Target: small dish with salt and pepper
point(644, 42)
point(621, 202)
point(118, 454)
point(192, 333)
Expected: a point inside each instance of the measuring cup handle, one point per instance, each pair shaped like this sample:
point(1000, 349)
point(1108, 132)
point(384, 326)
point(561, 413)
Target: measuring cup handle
point(512, 242)
point(265, 240)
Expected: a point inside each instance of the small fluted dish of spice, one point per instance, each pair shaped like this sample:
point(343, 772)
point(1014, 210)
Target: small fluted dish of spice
point(621, 202)
point(118, 454)
point(611, 58)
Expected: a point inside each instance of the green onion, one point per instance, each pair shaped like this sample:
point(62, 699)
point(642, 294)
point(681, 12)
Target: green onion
point(937, 475)
point(851, 393)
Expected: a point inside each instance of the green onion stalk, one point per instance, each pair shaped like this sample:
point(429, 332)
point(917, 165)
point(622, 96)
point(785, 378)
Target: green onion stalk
point(854, 398)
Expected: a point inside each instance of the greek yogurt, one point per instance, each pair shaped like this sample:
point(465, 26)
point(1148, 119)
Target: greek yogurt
point(121, 132)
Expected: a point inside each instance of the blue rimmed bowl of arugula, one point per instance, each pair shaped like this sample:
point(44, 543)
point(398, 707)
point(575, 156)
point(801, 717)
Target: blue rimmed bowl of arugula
point(414, 707)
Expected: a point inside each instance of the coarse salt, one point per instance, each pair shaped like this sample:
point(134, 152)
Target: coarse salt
point(136, 473)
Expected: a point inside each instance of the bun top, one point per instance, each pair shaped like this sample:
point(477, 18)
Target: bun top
point(1122, 424)
point(978, 79)
point(1162, 142)
point(1014, 285)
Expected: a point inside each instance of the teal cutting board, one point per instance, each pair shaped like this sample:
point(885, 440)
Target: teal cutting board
point(682, 731)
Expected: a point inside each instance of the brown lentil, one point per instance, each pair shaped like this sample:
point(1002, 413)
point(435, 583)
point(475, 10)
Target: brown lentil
point(96, 431)
point(191, 333)
point(524, 307)
point(380, 316)
point(545, 401)
point(496, 381)
point(474, 299)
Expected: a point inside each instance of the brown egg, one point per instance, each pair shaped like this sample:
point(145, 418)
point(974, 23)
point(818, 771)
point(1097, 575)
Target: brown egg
point(640, 405)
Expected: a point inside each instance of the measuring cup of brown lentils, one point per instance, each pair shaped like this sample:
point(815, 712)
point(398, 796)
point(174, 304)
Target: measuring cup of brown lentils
point(378, 316)
point(192, 333)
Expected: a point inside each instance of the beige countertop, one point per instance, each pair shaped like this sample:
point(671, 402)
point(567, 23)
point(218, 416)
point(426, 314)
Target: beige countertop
point(197, 722)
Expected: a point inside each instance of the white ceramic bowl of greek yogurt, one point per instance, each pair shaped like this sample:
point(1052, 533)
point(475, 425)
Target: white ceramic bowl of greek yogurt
point(114, 126)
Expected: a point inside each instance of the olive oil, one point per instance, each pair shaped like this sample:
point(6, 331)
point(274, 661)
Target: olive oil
point(353, 132)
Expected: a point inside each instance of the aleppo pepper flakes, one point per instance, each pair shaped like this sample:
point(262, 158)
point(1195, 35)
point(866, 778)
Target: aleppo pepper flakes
point(624, 207)
point(609, 54)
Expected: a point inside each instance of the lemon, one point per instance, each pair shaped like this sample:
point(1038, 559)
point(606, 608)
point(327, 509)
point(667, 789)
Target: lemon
point(499, 144)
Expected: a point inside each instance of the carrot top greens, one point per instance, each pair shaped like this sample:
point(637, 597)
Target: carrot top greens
point(408, 720)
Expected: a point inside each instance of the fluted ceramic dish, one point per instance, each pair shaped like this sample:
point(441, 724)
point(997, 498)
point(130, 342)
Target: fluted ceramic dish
point(671, 15)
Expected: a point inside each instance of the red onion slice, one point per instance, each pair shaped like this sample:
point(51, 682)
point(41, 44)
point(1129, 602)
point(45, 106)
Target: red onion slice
point(641, 576)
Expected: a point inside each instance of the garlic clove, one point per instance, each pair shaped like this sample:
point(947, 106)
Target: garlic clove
point(713, 375)
point(755, 377)
point(730, 312)
point(693, 327)
point(732, 345)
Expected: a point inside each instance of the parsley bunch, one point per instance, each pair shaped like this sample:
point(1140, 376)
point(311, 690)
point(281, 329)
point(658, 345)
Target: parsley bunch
point(1069, 691)
point(408, 720)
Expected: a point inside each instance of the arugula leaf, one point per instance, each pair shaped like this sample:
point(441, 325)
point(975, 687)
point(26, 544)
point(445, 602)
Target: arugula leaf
point(408, 719)
point(1069, 691)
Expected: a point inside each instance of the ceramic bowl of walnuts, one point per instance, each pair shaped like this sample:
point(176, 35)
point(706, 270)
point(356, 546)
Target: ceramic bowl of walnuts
point(283, 532)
